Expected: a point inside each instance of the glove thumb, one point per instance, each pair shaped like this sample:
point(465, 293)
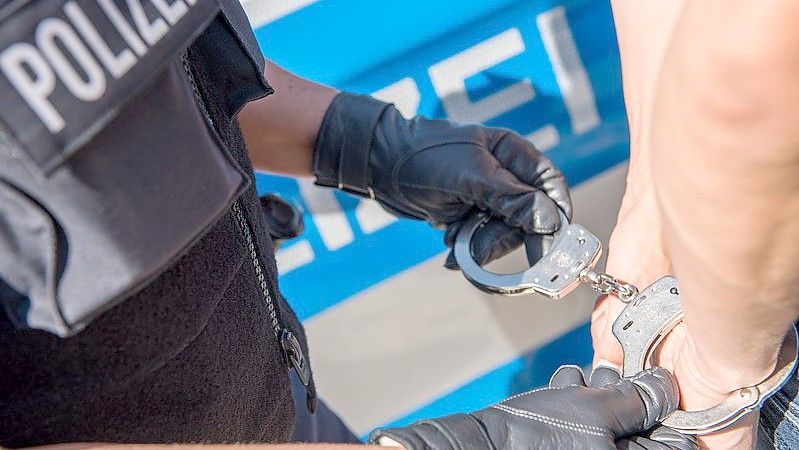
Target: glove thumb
point(642, 401)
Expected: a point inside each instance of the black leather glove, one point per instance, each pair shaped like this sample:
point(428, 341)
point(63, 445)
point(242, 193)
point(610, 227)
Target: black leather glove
point(283, 218)
point(566, 415)
point(441, 172)
point(658, 438)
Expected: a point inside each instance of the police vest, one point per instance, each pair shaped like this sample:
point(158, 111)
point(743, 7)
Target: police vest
point(100, 192)
point(120, 161)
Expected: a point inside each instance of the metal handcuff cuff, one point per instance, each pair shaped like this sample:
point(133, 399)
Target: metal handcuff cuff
point(649, 315)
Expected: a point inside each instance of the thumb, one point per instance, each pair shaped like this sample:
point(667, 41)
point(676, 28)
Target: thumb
point(640, 402)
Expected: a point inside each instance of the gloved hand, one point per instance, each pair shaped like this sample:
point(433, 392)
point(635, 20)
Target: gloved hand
point(441, 172)
point(283, 218)
point(569, 414)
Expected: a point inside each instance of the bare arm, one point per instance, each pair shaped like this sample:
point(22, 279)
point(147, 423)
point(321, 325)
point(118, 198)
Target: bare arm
point(280, 130)
point(723, 158)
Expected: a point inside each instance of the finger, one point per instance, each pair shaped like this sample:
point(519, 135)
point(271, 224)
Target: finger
point(640, 443)
point(536, 245)
point(673, 438)
point(661, 438)
point(518, 204)
point(606, 346)
point(451, 263)
point(640, 402)
point(491, 241)
point(494, 240)
point(567, 375)
point(452, 232)
point(604, 375)
point(520, 157)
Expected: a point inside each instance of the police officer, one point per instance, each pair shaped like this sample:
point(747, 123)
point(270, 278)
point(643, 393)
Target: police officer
point(137, 276)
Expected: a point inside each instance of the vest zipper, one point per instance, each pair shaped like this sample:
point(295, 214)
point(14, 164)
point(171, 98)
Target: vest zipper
point(292, 350)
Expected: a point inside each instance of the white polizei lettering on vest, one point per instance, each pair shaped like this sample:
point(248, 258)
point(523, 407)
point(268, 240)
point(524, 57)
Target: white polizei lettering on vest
point(448, 78)
point(123, 27)
point(404, 94)
point(152, 32)
point(33, 78)
point(117, 65)
point(330, 220)
point(172, 13)
point(51, 30)
point(191, 2)
point(570, 73)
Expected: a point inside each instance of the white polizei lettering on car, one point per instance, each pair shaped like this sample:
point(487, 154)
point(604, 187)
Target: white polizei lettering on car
point(330, 220)
point(404, 94)
point(49, 33)
point(372, 217)
point(172, 13)
point(151, 31)
point(33, 78)
point(448, 78)
point(545, 138)
point(570, 73)
point(296, 255)
point(123, 27)
point(117, 64)
point(262, 12)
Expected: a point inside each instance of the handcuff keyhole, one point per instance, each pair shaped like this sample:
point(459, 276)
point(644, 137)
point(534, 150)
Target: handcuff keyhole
point(554, 277)
point(674, 291)
point(581, 240)
point(629, 324)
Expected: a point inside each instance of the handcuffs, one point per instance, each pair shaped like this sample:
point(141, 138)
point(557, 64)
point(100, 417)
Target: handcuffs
point(649, 315)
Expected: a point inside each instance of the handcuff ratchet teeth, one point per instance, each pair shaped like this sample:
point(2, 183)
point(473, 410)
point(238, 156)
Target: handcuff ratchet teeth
point(645, 321)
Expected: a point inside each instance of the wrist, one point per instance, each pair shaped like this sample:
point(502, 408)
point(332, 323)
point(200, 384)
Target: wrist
point(343, 145)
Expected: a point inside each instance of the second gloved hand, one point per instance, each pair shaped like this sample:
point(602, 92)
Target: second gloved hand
point(441, 172)
point(568, 414)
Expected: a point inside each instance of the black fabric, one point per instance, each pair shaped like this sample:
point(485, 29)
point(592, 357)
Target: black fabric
point(190, 358)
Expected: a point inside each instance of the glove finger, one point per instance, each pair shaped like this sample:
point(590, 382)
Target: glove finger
point(638, 443)
point(494, 240)
point(517, 204)
point(604, 375)
point(640, 402)
point(661, 438)
point(452, 232)
point(520, 157)
point(673, 438)
point(536, 245)
point(567, 375)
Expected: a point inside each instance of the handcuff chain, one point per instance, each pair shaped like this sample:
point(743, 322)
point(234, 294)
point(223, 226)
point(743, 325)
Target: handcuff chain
point(608, 284)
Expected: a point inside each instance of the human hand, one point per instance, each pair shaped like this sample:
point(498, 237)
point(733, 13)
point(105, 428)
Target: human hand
point(441, 172)
point(608, 413)
point(698, 391)
point(636, 255)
